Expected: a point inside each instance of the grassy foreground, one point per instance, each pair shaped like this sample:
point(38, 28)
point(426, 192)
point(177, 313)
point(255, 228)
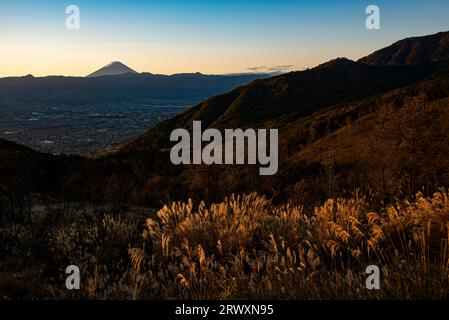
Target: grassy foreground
point(244, 247)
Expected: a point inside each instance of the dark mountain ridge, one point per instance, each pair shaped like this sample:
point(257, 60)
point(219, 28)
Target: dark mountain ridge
point(412, 51)
point(268, 102)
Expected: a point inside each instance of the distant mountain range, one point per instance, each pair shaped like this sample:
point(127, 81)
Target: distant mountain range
point(379, 124)
point(117, 82)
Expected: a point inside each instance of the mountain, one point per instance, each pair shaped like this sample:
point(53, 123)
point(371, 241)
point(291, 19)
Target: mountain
point(378, 127)
point(112, 69)
point(342, 125)
point(412, 51)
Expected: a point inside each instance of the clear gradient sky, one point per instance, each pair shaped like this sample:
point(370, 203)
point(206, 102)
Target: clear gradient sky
point(164, 36)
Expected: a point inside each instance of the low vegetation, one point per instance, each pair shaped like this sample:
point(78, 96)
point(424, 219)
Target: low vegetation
point(243, 247)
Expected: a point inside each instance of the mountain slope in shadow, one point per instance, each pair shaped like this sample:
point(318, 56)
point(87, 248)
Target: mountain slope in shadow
point(276, 101)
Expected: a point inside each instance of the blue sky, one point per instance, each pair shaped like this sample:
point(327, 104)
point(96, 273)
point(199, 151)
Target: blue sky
point(205, 36)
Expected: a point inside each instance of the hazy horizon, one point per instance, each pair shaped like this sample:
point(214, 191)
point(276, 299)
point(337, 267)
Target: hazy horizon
point(169, 37)
point(247, 72)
